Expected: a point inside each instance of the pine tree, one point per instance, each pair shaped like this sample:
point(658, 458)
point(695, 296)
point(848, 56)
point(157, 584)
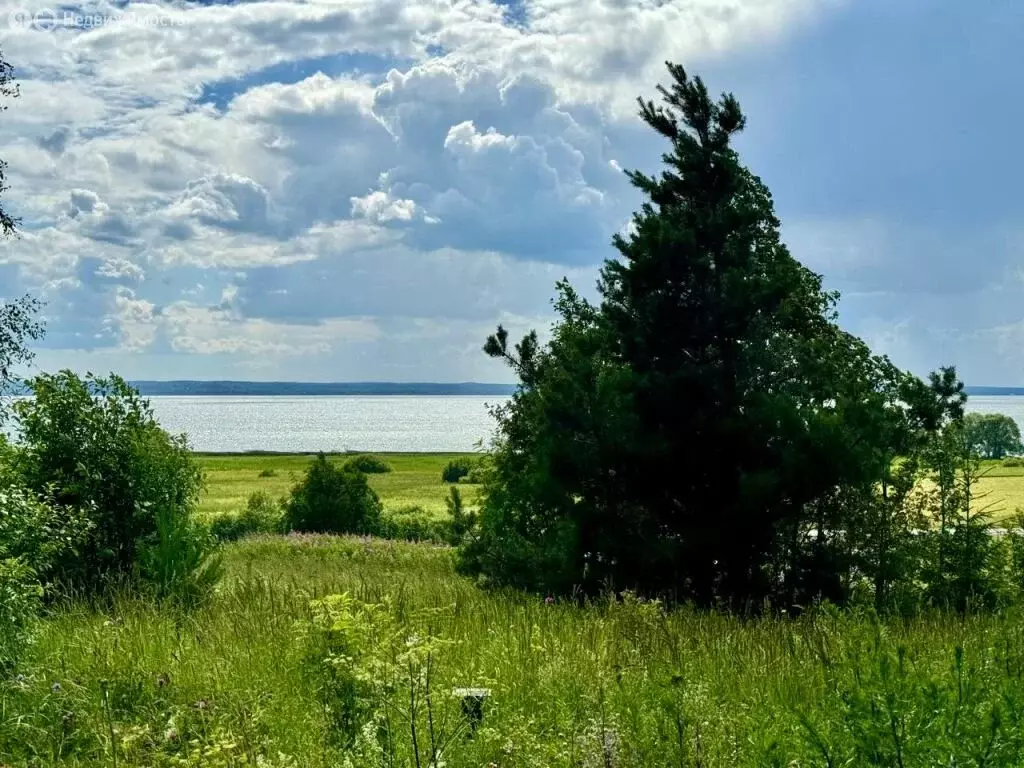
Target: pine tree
point(707, 307)
point(703, 430)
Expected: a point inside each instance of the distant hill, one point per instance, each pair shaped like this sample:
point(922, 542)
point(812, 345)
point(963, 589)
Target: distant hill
point(299, 388)
point(995, 391)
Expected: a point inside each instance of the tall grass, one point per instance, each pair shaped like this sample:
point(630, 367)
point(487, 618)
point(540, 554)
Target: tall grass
point(615, 682)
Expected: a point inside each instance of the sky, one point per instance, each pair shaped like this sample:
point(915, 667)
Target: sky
point(361, 190)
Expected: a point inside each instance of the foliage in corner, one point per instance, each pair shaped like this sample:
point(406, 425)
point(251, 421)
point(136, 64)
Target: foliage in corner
point(94, 445)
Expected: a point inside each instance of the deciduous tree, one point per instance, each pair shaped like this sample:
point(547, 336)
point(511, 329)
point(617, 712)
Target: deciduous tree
point(992, 435)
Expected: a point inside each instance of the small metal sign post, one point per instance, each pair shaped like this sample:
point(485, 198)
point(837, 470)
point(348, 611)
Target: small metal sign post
point(472, 705)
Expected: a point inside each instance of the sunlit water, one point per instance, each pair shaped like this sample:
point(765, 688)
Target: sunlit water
point(1009, 405)
point(360, 423)
point(356, 423)
point(368, 423)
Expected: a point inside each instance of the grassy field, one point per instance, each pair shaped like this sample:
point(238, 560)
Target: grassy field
point(414, 481)
point(319, 651)
point(1001, 490)
point(262, 677)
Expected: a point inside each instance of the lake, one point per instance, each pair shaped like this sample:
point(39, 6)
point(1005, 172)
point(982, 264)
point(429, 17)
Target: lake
point(367, 423)
point(325, 423)
point(435, 423)
point(1010, 405)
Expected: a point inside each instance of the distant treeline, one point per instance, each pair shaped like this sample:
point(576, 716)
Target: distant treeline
point(298, 388)
point(994, 391)
point(366, 388)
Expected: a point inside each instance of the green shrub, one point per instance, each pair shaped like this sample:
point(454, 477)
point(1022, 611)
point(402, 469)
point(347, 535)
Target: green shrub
point(229, 527)
point(462, 521)
point(456, 469)
point(261, 515)
point(20, 599)
point(338, 643)
point(178, 561)
point(332, 500)
point(268, 473)
point(413, 524)
point(371, 465)
point(1013, 461)
point(38, 533)
point(34, 536)
point(95, 444)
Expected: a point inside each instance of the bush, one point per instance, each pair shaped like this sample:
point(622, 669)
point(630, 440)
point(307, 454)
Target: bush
point(37, 533)
point(268, 473)
point(1013, 461)
point(462, 521)
point(261, 515)
point(20, 598)
point(34, 536)
point(413, 524)
point(371, 465)
point(332, 500)
point(95, 445)
point(455, 470)
point(178, 561)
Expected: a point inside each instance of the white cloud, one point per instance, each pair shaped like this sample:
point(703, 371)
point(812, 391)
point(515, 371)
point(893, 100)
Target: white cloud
point(209, 331)
point(119, 268)
point(381, 207)
point(133, 318)
point(225, 200)
point(436, 192)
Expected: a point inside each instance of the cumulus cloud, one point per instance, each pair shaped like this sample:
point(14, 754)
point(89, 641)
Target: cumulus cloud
point(56, 142)
point(133, 318)
point(479, 165)
point(193, 329)
point(84, 201)
point(224, 200)
point(117, 268)
point(381, 207)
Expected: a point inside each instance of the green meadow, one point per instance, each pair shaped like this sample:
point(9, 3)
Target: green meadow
point(415, 480)
point(322, 651)
point(270, 674)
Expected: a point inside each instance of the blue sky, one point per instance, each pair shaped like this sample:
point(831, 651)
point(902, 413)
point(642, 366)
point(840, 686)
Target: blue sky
point(362, 189)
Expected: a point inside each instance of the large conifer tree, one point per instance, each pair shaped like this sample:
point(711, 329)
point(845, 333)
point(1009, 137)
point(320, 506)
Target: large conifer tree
point(686, 434)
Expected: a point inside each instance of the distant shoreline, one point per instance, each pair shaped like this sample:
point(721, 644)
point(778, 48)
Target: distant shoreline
point(378, 388)
point(277, 388)
point(371, 388)
point(307, 389)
